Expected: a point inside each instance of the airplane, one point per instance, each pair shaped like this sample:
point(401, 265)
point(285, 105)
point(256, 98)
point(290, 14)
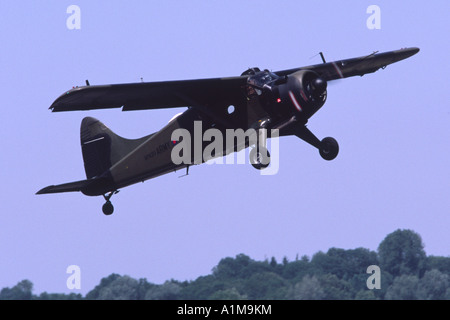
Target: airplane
point(259, 100)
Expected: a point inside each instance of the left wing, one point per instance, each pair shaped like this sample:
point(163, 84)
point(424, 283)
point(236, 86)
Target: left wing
point(153, 95)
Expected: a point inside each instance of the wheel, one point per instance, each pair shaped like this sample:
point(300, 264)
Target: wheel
point(329, 149)
point(108, 208)
point(259, 158)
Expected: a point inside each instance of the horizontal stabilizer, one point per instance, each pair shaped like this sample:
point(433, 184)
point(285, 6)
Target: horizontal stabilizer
point(89, 187)
point(66, 187)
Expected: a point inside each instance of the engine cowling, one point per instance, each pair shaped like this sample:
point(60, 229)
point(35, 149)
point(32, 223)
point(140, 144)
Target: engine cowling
point(303, 93)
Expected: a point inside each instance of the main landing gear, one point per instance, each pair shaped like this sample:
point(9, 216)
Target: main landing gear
point(328, 147)
point(259, 155)
point(108, 208)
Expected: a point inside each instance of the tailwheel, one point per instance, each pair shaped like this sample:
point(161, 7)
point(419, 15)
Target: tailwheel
point(108, 208)
point(259, 158)
point(329, 148)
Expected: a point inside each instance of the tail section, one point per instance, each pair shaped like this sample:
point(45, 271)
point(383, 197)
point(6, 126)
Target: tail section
point(102, 148)
point(66, 187)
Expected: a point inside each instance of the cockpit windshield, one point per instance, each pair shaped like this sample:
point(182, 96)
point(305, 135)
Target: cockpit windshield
point(261, 78)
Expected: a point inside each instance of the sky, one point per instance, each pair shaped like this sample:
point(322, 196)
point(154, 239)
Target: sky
point(392, 171)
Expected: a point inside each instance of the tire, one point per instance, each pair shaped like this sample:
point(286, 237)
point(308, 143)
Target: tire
point(260, 159)
point(108, 208)
point(329, 149)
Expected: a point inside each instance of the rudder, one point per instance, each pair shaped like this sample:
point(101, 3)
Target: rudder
point(102, 148)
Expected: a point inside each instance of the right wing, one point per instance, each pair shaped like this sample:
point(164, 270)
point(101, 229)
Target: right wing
point(355, 66)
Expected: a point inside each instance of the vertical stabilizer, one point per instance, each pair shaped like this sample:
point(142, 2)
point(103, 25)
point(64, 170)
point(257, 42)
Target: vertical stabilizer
point(102, 148)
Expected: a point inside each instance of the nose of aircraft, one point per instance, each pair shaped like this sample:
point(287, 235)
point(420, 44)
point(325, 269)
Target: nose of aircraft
point(319, 85)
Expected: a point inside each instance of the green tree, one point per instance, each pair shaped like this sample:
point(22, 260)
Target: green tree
point(365, 295)
point(21, 291)
point(240, 267)
point(116, 287)
point(104, 282)
point(401, 253)
point(297, 269)
point(308, 288)
point(403, 288)
point(434, 285)
point(170, 290)
point(143, 287)
point(232, 268)
point(203, 287)
point(59, 296)
point(228, 294)
point(265, 285)
point(335, 288)
point(439, 263)
point(344, 264)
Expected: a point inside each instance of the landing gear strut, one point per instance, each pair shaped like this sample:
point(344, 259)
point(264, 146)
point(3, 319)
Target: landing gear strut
point(328, 147)
point(259, 155)
point(108, 208)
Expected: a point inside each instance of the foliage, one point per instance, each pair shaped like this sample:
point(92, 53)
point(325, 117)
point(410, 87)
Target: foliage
point(21, 291)
point(309, 288)
point(406, 273)
point(403, 288)
point(401, 252)
point(434, 285)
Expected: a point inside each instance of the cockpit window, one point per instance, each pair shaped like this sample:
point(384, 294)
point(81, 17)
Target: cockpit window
point(250, 72)
point(257, 82)
point(261, 78)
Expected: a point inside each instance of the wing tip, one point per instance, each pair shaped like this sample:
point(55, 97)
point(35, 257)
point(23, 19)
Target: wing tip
point(46, 190)
point(411, 51)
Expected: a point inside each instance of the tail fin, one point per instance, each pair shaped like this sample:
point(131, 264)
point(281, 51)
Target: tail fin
point(102, 148)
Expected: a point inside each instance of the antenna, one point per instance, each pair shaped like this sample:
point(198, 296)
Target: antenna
point(323, 58)
point(321, 55)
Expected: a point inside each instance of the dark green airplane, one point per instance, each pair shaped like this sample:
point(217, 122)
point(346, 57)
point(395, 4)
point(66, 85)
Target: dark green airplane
point(262, 101)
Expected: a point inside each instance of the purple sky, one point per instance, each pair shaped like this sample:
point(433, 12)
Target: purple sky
point(393, 128)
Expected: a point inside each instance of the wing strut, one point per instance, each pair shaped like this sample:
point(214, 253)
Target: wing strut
point(187, 172)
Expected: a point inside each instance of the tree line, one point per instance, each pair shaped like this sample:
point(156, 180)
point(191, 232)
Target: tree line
point(406, 272)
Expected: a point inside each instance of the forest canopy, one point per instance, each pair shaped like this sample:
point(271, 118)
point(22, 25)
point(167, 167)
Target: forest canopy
point(404, 272)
